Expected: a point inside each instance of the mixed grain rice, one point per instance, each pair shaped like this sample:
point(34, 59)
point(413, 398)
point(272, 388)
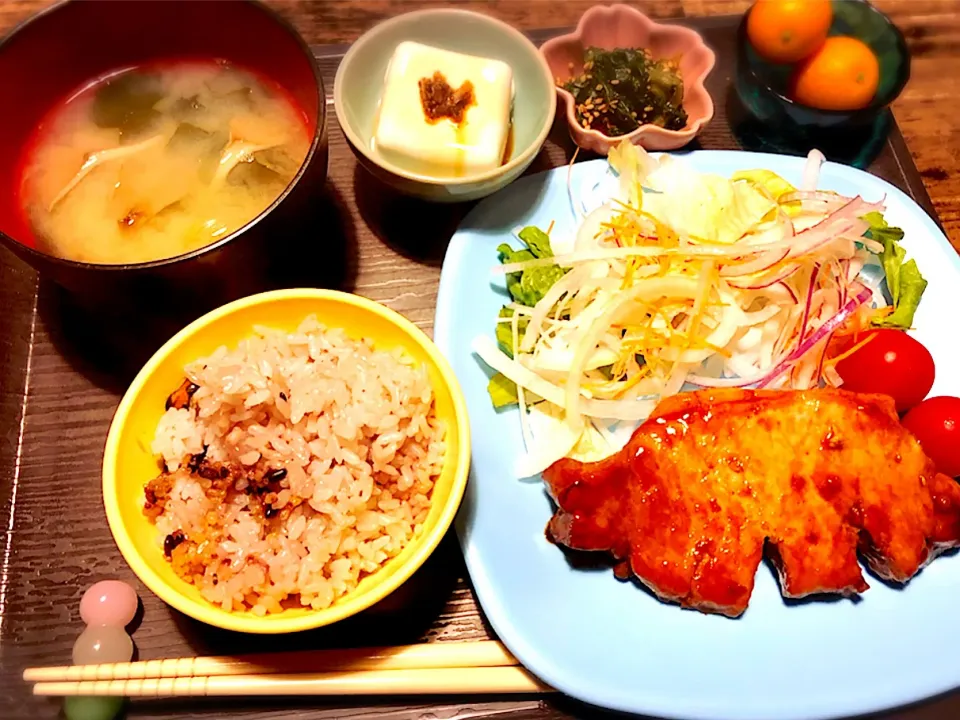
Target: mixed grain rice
point(295, 465)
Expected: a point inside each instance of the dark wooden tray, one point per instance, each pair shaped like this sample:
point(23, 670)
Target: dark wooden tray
point(60, 385)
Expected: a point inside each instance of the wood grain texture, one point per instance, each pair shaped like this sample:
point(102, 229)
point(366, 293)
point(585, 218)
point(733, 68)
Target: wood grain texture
point(57, 542)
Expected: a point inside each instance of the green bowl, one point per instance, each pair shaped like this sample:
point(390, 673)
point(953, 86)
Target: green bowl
point(359, 83)
point(762, 86)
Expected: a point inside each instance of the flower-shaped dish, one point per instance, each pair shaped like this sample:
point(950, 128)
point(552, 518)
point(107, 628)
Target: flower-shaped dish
point(620, 26)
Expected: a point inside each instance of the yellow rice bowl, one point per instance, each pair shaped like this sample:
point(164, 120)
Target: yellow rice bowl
point(351, 398)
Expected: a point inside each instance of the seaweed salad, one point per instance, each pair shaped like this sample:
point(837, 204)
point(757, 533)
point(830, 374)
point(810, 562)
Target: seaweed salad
point(620, 90)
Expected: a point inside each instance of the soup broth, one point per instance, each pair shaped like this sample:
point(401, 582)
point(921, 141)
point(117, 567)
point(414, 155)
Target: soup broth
point(157, 161)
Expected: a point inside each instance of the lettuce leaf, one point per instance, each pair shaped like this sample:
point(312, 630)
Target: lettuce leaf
point(892, 259)
point(529, 286)
point(537, 241)
point(632, 164)
point(504, 331)
point(703, 205)
point(910, 290)
point(893, 254)
point(775, 185)
point(503, 391)
point(904, 281)
point(509, 255)
point(880, 229)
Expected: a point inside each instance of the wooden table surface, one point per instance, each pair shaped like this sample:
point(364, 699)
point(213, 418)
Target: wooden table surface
point(925, 112)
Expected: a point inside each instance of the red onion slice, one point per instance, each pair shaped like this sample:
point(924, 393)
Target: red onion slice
point(806, 308)
point(828, 328)
point(760, 263)
point(790, 289)
point(816, 200)
point(764, 281)
point(863, 294)
point(824, 233)
point(823, 357)
point(858, 207)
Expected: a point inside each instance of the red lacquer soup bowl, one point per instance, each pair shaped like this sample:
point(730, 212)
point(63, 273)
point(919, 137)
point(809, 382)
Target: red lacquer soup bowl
point(50, 57)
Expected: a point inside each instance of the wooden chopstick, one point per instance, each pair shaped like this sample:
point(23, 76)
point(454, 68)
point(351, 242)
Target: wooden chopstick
point(420, 681)
point(487, 653)
point(404, 657)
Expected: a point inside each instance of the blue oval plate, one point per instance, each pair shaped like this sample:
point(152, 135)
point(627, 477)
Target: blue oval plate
point(613, 645)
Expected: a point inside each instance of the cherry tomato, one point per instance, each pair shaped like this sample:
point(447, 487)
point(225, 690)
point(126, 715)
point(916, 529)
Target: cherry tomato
point(936, 424)
point(890, 363)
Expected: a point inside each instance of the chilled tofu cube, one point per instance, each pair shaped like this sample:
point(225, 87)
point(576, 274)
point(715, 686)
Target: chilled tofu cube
point(405, 136)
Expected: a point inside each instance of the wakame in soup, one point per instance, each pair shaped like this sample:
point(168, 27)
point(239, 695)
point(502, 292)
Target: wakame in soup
point(160, 160)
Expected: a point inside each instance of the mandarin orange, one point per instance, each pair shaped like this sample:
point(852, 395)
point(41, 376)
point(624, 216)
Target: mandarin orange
point(785, 31)
point(842, 75)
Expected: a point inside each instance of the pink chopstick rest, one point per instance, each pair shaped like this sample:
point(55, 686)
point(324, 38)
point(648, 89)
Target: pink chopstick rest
point(109, 602)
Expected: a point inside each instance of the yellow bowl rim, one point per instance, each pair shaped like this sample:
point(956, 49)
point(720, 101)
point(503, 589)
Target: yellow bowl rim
point(348, 605)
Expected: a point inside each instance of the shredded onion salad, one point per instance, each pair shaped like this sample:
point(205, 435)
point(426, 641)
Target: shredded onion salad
point(685, 280)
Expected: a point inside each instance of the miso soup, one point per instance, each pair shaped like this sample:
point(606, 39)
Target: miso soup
point(160, 160)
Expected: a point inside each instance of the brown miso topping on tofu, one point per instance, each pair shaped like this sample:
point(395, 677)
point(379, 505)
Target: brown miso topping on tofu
point(440, 100)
